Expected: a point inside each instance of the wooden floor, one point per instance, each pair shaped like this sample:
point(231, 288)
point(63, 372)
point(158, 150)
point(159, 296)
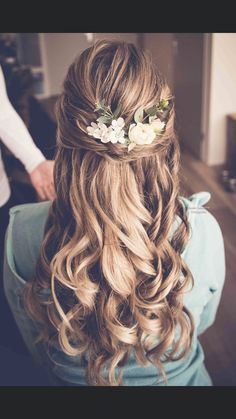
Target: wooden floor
point(219, 341)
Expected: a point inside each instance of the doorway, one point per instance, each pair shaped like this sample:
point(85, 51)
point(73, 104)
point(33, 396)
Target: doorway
point(181, 58)
point(188, 82)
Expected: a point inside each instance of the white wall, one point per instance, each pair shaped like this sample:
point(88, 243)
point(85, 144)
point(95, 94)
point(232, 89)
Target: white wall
point(60, 49)
point(222, 94)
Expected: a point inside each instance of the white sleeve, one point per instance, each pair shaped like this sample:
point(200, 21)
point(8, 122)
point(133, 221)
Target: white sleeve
point(15, 134)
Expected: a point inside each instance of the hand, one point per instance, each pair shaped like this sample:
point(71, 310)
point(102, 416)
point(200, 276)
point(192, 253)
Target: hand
point(42, 180)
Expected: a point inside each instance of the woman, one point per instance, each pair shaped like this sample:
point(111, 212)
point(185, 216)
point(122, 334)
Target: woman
point(120, 274)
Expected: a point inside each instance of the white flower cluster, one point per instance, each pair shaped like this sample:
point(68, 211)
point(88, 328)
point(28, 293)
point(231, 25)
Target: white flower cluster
point(138, 133)
point(114, 133)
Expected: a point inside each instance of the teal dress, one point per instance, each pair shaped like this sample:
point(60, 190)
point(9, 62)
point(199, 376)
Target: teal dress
point(204, 255)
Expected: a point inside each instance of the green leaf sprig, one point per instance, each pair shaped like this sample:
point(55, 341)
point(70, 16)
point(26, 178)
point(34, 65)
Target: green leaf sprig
point(105, 112)
point(158, 110)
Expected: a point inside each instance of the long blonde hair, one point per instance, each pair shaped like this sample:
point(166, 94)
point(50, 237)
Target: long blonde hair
point(115, 278)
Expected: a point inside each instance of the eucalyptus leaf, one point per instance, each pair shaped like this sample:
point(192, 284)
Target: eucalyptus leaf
point(104, 119)
point(99, 111)
point(138, 116)
point(152, 111)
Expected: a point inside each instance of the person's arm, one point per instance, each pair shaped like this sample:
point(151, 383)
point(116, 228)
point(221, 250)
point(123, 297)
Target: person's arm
point(14, 133)
point(17, 139)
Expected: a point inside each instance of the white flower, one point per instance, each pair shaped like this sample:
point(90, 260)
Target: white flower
point(100, 131)
point(106, 134)
point(151, 119)
point(94, 130)
point(118, 134)
point(114, 133)
point(97, 130)
point(158, 126)
point(141, 133)
point(118, 124)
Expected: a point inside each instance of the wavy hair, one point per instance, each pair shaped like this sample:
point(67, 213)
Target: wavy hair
point(109, 264)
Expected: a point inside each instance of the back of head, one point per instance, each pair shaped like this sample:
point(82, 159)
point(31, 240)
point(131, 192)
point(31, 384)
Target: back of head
point(114, 271)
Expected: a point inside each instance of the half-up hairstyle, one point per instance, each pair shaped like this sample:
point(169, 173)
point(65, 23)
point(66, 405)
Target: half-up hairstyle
point(111, 268)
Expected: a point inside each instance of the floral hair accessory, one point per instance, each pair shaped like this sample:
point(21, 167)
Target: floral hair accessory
point(111, 128)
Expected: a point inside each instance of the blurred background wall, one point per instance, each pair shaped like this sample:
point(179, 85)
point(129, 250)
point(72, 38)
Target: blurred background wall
point(200, 68)
point(59, 49)
point(222, 91)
